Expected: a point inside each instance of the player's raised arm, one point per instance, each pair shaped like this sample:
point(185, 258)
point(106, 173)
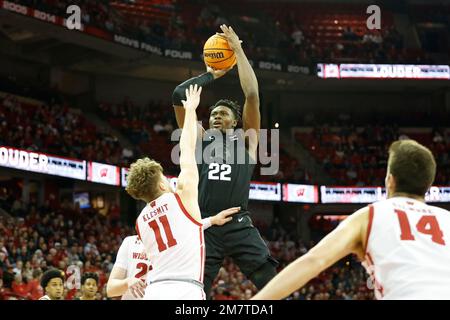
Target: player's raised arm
point(188, 179)
point(179, 93)
point(348, 237)
point(251, 116)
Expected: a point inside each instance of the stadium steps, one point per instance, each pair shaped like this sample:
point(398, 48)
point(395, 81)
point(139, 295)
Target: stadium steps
point(306, 160)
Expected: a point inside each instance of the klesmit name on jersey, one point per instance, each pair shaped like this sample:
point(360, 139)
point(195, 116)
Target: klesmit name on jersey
point(162, 209)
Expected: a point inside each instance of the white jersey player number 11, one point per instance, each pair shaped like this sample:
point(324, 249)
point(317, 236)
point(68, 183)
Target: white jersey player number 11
point(172, 239)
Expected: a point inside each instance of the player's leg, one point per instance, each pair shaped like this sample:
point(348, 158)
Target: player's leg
point(261, 276)
point(214, 257)
point(250, 252)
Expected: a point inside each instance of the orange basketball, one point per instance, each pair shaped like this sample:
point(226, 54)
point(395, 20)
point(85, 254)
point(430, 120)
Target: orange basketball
point(217, 53)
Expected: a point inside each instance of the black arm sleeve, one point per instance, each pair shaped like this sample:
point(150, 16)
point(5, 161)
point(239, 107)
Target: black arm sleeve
point(179, 92)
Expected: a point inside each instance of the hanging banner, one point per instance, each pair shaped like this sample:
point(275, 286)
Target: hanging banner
point(42, 163)
point(103, 173)
point(300, 193)
point(265, 191)
point(383, 71)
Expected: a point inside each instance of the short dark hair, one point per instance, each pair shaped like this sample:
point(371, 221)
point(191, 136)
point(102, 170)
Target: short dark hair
point(232, 105)
point(412, 165)
point(51, 274)
point(89, 275)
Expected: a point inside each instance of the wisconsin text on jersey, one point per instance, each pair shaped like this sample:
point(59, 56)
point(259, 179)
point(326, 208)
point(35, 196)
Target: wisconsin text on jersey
point(140, 255)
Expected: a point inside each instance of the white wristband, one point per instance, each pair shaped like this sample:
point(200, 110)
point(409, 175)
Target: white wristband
point(206, 223)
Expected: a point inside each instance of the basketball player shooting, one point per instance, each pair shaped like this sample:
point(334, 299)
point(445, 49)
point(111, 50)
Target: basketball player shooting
point(225, 183)
point(404, 243)
point(170, 225)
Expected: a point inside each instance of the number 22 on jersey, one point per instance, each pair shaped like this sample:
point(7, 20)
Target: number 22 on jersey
point(144, 268)
point(219, 172)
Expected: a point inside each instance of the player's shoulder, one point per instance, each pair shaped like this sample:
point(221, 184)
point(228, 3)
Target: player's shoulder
point(406, 202)
point(439, 210)
point(385, 202)
point(130, 240)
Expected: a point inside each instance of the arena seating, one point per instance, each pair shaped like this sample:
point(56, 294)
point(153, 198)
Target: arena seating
point(300, 33)
point(66, 131)
point(358, 156)
point(34, 239)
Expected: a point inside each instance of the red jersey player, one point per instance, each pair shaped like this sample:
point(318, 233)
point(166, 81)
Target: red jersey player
point(404, 243)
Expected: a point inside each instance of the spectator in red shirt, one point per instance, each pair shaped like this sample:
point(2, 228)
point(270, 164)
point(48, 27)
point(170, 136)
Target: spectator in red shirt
point(34, 287)
point(19, 287)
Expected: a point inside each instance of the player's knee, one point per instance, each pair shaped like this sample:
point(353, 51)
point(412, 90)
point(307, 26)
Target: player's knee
point(263, 274)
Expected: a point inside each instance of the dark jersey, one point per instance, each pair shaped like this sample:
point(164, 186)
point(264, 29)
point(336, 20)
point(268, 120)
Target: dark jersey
point(225, 173)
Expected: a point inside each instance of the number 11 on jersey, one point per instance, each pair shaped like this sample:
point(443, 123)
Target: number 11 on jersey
point(166, 226)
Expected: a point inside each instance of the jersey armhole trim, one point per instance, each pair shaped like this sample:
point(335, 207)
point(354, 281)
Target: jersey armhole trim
point(186, 213)
point(369, 228)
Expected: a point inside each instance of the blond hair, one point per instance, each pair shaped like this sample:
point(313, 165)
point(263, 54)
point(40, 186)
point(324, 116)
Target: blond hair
point(143, 179)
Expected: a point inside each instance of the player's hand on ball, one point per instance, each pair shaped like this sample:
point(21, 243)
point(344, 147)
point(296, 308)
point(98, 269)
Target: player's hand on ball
point(137, 287)
point(232, 37)
point(218, 73)
point(224, 216)
point(192, 97)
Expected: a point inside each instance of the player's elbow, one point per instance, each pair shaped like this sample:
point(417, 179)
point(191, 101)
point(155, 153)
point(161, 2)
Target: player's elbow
point(178, 95)
point(316, 263)
point(109, 290)
point(252, 96)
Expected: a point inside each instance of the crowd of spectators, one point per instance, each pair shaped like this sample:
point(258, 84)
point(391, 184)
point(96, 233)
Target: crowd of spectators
point(149, 128)
point(52, 126)
point(358, 155)
point(57, 129)
point(270, 35)
point(38, 237)
point(351, 153)
point(93, 13)
point(347, 45)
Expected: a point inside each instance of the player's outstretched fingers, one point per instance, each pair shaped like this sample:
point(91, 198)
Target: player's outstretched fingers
point(231, 211)
point(140, 289)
